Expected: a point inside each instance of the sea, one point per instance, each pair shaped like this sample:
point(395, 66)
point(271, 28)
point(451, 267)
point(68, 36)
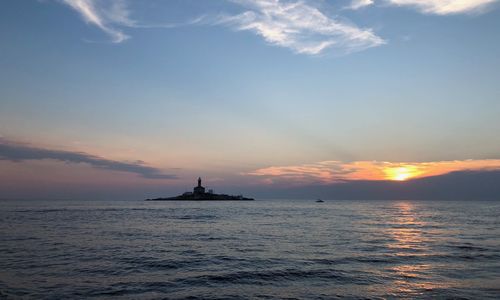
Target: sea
point(263, 249)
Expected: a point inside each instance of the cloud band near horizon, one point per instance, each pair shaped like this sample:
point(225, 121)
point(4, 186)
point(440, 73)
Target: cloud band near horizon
point(17, 152)
point(337, 171)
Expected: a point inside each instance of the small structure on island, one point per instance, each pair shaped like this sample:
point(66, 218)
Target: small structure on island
point(199, 194)
point(199, 189)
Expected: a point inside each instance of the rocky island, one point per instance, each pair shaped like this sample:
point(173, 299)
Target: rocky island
point(199, 194)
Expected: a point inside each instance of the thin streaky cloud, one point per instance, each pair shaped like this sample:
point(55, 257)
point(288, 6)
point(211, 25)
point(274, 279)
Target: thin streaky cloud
point(445, 7)
point(293, 24)
point(200, 20)
point(104, 17)
point(357, 4)
point(17, 152)
point(119, 13)
point(299, 26)
point(108, 15)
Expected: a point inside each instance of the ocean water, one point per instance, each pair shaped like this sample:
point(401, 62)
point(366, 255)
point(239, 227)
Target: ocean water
point(249, 250)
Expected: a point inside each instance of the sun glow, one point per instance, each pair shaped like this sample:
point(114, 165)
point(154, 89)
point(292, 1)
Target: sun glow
point(338, 171)
point(402, 173)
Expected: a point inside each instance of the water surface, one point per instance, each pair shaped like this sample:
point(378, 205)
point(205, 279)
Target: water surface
point(260, 249)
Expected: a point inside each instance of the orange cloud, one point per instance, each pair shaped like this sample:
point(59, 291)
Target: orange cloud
point(337, 171)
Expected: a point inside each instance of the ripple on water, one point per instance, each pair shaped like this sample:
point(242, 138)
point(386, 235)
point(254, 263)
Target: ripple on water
point(262, 250)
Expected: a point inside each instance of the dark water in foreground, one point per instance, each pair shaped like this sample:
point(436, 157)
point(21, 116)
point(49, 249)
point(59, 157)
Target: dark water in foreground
point(261, 249)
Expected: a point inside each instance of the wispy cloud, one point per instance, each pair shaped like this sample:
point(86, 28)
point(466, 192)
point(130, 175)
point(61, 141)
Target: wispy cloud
point(337, 171)
point(357, 4)
point(112, 16)
point(295, 24)
point(104, 15)
point(445, 7)
point(17, 152)
point(299, 26)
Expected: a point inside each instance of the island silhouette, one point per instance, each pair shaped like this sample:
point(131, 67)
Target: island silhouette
point(199, 194)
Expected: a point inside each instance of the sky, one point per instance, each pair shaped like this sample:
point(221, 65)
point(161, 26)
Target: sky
point(128, 99)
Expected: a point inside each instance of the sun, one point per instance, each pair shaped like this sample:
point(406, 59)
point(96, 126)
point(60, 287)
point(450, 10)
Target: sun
point(401, 173)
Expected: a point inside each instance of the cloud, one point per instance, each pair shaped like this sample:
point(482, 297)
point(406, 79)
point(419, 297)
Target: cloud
point(104, 15)
point(299, 26)
point(445, 7)
point(17, 152)
point(107, 15)
point(337, 171)
point(294, 24)
point(459, 185)
point(357, 4)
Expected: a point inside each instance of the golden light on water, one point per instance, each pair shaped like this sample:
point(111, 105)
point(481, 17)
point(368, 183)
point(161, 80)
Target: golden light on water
point(409, 240)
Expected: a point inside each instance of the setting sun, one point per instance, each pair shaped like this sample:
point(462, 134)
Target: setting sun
point(402, 173)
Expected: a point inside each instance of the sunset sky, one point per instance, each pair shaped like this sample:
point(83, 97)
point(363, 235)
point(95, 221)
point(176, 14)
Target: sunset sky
point(131, 98)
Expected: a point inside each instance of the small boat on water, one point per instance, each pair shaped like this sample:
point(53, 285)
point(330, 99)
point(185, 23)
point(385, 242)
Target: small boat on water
point(320, 201)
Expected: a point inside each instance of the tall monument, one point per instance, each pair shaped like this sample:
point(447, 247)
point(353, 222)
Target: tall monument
point(198, 190)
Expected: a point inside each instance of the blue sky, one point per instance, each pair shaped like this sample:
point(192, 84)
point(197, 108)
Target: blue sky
point(225, 88)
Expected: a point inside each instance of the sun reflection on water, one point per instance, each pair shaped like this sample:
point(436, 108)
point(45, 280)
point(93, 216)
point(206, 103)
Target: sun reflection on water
point(406, 230)
point(408, 242)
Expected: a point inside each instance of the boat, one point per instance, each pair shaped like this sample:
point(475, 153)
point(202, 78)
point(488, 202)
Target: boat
point(320, 201)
